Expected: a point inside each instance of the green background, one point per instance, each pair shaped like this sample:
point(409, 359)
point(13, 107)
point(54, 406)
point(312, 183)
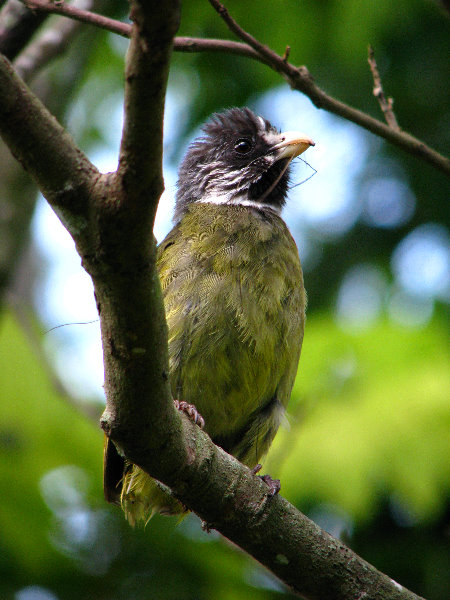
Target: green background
point(365, 450)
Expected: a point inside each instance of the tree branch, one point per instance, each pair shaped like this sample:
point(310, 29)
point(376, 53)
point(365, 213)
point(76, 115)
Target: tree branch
point(79, 14)
point(134, 331)
point(44, 148)
point(300, 79)
point(148, 58)
point(180, 43)
point(386, 104)
point(18, 192)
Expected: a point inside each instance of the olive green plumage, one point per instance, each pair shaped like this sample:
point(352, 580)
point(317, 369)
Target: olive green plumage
point(235, 309)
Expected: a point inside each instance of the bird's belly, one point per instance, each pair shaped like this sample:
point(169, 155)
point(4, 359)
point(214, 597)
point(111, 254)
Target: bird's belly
point(228, 357)
point(235, 305)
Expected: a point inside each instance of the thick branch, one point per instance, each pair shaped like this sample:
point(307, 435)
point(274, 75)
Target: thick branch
point(230, 498)
point(127, 288)
point(45, 149)
point(146, 73)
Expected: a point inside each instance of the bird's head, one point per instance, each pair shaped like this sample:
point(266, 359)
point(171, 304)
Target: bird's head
point(240, 159)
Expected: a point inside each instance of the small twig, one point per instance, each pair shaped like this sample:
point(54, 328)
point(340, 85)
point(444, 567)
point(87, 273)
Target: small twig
point(190, 44)
point(74, 12)
point(385, 103)
point(271, 57)
point(286, 53)
point(181, 44)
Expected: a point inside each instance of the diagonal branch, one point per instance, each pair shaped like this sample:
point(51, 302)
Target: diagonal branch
point(78, 14)
point(180, 43)
point(264, 51)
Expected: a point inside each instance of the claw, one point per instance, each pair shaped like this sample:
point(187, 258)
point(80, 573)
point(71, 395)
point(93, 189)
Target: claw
point(274, 485)
point(191, 412)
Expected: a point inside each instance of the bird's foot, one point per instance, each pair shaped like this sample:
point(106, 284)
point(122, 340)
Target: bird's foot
point(274, 485)
point(191, 412)
point(256, 469)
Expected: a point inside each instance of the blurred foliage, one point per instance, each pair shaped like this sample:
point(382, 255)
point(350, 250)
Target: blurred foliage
point(366, 455)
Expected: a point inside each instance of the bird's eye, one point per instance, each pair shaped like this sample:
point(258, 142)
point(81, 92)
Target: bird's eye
point(243, 145)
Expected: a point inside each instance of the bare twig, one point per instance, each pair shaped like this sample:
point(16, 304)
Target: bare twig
point(79, 14)
point(181, 44)
point(52, 43)
point(298, 78)
point(264, 51)
point(189, 44)
point(385, 103)
point(286, 53)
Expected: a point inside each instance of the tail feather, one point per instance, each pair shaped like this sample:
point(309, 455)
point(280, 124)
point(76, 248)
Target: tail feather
point(142, 497)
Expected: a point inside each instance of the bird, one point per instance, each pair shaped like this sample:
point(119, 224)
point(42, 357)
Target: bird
point(234, 299)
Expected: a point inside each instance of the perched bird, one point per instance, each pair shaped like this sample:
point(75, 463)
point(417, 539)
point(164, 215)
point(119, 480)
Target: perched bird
point(234, 297)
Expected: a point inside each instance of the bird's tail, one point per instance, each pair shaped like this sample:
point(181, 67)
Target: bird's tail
point(142, 497)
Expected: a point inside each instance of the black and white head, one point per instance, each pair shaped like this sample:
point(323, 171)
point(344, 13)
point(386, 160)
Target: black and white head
point(240, 159)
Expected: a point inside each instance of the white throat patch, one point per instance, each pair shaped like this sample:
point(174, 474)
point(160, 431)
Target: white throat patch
point(239, 200)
